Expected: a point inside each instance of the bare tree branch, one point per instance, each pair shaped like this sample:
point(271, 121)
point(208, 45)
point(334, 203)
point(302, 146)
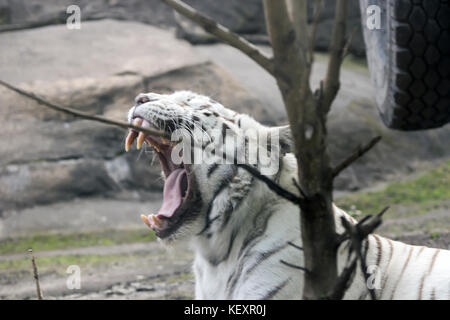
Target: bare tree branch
point(83, 115)
point(358, 153)
point(36, 275)
point(298, 14)
point(279, 190)
point(308, 126)
point(336, 48)
point(222, 33)
point(293, 266)
point(318, 6)
point(348, 43)
point(294, 245)
point(343, 282)
point(303, 194)
point(289, 58)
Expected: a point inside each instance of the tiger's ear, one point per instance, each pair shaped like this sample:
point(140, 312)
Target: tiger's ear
point(285, 139)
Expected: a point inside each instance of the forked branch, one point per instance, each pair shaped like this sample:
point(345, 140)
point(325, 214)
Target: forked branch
point(356, 234)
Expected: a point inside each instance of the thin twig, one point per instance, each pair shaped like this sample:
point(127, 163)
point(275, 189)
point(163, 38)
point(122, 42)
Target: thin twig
point(299, 188)
point(358, 153)
point(349, 42)
point(83, 115)
point(343, 281)
point(293, 266)
point(294, 245)
point(222, 33)
point(272, 185)
point(36, 275)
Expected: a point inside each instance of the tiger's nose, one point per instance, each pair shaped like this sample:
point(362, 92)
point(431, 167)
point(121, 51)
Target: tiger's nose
point(144, 99)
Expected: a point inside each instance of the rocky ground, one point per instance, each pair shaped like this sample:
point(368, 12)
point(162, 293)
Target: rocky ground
point(68, 190)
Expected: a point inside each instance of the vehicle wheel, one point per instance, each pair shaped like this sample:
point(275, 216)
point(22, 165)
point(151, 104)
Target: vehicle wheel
point(409, 62)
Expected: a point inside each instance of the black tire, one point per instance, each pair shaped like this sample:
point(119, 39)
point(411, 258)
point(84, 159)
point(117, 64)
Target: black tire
point(409, 62)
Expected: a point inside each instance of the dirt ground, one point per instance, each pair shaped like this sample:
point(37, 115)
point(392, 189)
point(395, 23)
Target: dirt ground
point(140, 271)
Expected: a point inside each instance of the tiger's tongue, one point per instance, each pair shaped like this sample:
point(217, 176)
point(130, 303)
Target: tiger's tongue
point(172, 193)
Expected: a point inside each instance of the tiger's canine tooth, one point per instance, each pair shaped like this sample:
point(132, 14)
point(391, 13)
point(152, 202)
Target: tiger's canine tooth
point(130, 139)
point(140, 140)
point(138, 121)
point(156, 221)
point(145, 219)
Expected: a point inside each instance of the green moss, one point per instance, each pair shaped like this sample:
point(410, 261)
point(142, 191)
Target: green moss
point(422, 194)
point(46, 242)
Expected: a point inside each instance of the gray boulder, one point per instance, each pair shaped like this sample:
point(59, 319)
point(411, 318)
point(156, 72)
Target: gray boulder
point(244, 17)
point(247, 18)
point(47, 156)
point(19, 14)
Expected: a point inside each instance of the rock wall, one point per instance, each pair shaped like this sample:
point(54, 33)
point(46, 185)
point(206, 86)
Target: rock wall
point(244, 17)
point(46, 156)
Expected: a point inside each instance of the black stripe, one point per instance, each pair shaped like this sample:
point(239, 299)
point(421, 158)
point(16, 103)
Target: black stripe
point(273, 292)
point(264, 256)
point(214, 261)
point(260, 223)
point(237, 274)
point(223, 184)
point(224, 131)
point(230, 208)
point(211, 169)
point(257, 232)
point(207, 144)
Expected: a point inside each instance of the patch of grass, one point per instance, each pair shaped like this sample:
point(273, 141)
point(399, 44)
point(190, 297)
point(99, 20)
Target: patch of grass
point(422, 192)
point(180, 277)
point(46, 242)
point(59, 264)
point(430, 227)
point(435, 235)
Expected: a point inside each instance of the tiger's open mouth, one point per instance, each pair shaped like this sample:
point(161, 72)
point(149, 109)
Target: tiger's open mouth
point(177, 194)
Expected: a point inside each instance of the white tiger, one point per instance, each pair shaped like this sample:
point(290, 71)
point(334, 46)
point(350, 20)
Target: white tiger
point(240, 230)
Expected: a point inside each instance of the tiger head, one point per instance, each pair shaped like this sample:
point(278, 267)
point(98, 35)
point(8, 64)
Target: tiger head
point(201, 126)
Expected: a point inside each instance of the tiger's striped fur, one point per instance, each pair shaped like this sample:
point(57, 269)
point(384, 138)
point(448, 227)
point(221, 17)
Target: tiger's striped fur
point(241, 229)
